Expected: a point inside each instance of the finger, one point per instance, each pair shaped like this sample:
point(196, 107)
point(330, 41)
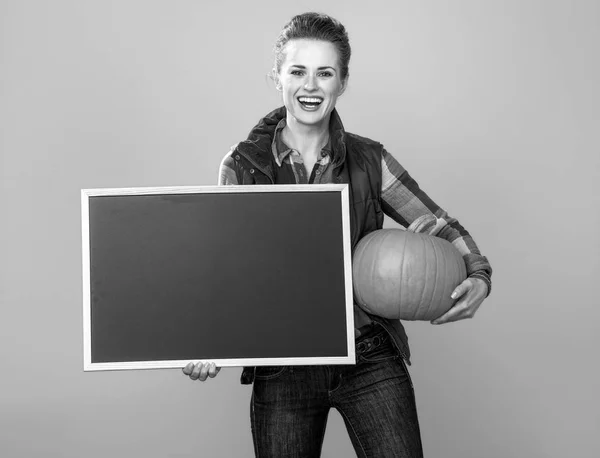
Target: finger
point(461, 289)
point(213, 370)
point(187, 370)
point(204, 372)
point(196, 372)
point(454, 314)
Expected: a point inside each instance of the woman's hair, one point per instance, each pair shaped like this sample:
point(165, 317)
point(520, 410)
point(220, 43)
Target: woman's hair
point(314, 26)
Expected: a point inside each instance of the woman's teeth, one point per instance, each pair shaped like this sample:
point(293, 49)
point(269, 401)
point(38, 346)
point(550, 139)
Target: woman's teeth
point(310, 102)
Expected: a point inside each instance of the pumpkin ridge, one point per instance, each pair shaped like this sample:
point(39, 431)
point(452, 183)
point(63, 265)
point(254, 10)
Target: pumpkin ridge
point(372, 279)
point(418, 312)
point(426, 296)
point(364, 253)
point(435, 283)
point(403, 279)
point(383, 245)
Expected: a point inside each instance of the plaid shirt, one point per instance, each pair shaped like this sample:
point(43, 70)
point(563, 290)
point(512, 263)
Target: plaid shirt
point(401, 197)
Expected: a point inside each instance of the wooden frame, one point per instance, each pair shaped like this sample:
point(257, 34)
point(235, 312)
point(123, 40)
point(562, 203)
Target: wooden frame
point(87, 194)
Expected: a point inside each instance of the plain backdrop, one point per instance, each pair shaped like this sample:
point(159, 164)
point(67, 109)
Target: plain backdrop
point(493, 106)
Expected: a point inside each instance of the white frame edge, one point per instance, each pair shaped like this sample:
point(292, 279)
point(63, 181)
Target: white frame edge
point(212, 189)
point(85, 256)
point(178, 364)
point(348, 273)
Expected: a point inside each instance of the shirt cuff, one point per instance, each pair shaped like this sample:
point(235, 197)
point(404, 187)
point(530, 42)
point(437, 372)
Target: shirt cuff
point(485, 276)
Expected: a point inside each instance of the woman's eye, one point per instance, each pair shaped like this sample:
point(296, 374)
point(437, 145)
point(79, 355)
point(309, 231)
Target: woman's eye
point(325, 74)
point(296, 72)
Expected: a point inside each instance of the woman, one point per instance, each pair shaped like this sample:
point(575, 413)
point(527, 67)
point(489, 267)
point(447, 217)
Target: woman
point(305, 142)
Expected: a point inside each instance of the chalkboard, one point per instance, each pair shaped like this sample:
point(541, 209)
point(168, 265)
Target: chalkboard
point(238, 275)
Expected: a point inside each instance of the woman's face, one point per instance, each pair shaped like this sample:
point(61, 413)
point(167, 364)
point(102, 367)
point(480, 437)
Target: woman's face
point(310, 80)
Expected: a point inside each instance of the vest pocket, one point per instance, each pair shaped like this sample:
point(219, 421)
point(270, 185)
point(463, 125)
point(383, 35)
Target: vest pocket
point(372, 215)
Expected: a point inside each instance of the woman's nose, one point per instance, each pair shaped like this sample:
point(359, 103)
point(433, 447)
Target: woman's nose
point(311, 83)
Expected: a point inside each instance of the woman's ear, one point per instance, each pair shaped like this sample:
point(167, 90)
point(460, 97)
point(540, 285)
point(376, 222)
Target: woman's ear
point(344, 85)
point(276, 80)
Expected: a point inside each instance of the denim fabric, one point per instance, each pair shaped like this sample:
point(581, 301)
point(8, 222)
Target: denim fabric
point(375, 397)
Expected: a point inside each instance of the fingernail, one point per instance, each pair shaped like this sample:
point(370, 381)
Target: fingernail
point(453, 295)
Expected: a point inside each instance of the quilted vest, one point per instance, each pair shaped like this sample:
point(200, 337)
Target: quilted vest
point(357, 161)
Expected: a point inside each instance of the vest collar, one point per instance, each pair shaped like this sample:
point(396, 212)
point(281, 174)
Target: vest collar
point(257, 147)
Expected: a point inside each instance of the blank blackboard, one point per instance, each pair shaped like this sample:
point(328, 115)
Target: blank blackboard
point(238, 275)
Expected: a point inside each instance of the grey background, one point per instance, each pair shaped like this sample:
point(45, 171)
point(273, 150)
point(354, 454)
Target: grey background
point(491, 105)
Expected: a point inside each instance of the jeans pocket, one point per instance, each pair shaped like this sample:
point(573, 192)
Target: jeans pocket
point(269, 372)
point(384, 352)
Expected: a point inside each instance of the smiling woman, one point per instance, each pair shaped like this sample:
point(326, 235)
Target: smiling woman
point(310, 75)
point(304, 142)
point(310, 80)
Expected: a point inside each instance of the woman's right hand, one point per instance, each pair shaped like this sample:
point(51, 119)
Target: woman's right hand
point(201, 370)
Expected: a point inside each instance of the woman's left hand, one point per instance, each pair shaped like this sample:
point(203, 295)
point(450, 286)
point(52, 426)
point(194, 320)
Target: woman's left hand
point(470, 294)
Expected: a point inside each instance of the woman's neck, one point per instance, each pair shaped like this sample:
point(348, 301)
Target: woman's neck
point(308, 140)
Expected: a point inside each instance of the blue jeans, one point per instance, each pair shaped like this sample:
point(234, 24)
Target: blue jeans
point(375, 397)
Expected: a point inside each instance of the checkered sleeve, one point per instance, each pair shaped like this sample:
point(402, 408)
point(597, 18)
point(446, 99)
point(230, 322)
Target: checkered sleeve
point(404, 201)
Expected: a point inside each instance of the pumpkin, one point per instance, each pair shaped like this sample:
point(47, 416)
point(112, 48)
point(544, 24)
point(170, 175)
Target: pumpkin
point(402, 274)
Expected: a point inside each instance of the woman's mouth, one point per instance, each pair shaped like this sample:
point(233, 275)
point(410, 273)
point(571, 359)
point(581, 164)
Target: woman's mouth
point(310, 103)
